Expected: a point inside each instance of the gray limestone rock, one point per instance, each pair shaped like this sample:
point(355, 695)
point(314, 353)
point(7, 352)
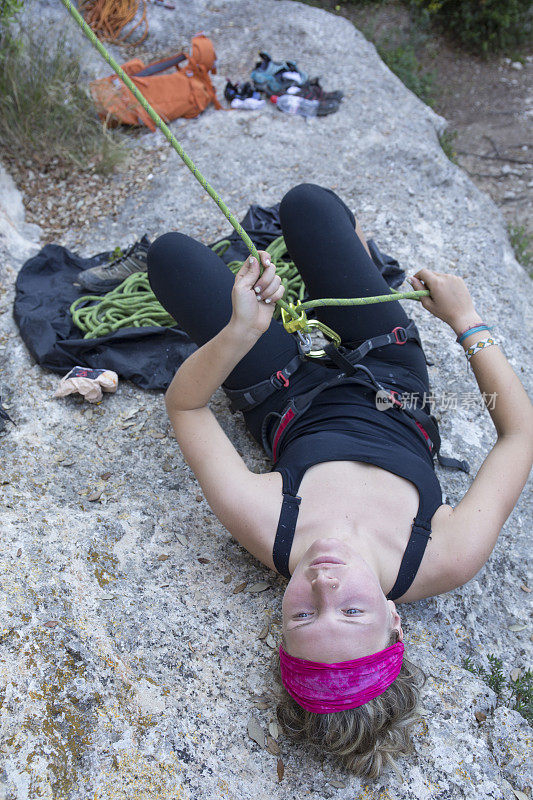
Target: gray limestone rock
point(128, 667)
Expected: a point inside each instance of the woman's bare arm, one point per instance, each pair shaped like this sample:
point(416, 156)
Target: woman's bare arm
point(207, 368)
point(236, 495)
point(473, 526)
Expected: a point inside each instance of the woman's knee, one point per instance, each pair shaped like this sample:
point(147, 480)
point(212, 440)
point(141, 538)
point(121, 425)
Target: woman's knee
point(308, 199)
point(300, 196)
point(165, 254)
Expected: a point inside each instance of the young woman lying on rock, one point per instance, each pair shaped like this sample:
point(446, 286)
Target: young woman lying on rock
point(352, 512)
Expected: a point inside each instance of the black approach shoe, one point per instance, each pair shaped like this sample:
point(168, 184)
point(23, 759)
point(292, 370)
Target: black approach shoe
point(109, 275)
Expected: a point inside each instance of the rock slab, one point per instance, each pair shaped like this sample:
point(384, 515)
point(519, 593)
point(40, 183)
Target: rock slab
point(128, 665)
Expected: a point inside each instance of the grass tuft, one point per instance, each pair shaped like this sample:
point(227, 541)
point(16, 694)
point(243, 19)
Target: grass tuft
point(45, 114)
point(447, 142)
point(522, 243)
point(403, 61)
point(517, 694)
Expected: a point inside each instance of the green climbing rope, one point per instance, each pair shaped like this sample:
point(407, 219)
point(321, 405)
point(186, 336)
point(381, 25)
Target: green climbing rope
point(133, 304)
point(130, 305)
point(288, 307)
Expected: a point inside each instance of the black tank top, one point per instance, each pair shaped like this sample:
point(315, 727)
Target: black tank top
point(343, 424)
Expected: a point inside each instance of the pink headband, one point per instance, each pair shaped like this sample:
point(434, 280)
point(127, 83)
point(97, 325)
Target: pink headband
point(325, 688)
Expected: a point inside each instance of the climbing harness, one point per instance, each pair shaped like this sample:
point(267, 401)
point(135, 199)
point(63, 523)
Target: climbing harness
point(276, 425)
point(290, 311)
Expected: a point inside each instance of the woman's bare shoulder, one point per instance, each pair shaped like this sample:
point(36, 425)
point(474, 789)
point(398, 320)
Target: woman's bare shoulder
point(436, 573)
point(254, 525)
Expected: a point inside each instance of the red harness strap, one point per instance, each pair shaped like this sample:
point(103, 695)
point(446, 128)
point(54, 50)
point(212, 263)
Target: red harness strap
point(284, 421)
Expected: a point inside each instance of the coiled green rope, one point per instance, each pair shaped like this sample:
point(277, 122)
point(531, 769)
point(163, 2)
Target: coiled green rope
point(130, 305)
point(133, 304)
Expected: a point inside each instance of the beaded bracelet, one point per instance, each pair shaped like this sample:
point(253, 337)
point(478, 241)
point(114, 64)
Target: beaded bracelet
point(476, 329)
point(481, 345)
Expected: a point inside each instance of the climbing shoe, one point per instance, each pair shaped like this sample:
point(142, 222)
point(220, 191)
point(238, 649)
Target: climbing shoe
point(272, 77)
point(107, 276)
point(239, 91)
point(312, 90)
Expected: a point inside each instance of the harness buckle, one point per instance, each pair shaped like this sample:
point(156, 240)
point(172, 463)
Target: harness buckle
point(279, 380)
point(395, 398)
point(399, 334)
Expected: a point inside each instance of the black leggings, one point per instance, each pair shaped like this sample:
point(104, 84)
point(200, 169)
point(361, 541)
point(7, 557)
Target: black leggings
point(194, 285)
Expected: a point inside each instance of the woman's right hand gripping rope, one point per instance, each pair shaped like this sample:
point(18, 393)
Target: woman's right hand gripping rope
point(251, 287)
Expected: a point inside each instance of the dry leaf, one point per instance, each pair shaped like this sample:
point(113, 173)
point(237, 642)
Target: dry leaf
point(281, 770)
point(264, 632)
point(168, 466)
point(164, 585)
point(240, 587)
point(271, 642)
point(181, 539)
point(273, 730)
point(130, 414)
point(255, 732)
point(94, 496)
point(66, 464)
point(19, 552)
point(260, 586)
point(52, 623)
point(191, 648)
point(337, 784)
point(524, 589)
point(105, 476)
point(162, 557)
point(480, 716)
point(156, 434)
point(515, 674)
point(262, 705)
point(227, 579)
point(272, 746)
point(517, 627)
point(203, 560)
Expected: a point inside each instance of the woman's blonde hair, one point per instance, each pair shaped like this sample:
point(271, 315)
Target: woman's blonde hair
point(365, 739)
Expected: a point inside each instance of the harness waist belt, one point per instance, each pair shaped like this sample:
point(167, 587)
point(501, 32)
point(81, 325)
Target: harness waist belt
point(341, 357)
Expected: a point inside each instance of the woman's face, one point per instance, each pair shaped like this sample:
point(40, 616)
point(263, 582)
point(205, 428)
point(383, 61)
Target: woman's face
point(334, 608)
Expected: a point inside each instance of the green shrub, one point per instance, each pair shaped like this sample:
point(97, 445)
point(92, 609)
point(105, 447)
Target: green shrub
point(8, 11)
point(447, 142)
point(481, 25)
point(45, 113)
point(522, 243)
point(403, 61)
point(517, 693)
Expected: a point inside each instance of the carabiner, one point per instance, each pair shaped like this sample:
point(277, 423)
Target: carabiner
point(325, 331)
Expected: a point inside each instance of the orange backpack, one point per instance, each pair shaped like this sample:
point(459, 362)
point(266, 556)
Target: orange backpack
point(185, 92)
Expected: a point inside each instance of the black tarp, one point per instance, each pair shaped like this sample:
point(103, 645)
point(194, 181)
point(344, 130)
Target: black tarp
point(149, 357)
